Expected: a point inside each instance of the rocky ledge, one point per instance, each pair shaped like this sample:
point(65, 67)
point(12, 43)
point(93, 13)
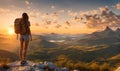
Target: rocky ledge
point(31, 66)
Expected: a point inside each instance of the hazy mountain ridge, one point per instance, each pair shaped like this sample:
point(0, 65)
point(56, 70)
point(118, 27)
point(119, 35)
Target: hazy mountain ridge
point(106, 36)
point(7, 55)
point(118, 31)
point(107, 32)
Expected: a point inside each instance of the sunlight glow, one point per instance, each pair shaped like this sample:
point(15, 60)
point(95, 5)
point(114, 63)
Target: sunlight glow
point(11, 31)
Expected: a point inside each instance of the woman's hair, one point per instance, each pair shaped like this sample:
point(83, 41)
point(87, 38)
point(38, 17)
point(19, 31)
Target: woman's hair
point(25, 17)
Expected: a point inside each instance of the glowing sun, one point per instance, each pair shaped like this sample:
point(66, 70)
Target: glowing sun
point(11, 31)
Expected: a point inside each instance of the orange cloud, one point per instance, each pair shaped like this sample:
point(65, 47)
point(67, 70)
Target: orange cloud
point(117, 6)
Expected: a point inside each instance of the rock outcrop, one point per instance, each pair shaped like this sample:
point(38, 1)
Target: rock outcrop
point(31, 66)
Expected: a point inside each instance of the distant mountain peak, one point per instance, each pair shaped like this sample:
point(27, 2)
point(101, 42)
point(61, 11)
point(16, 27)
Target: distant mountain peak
point(108, 29)
point(107, 32)
point(118, 29)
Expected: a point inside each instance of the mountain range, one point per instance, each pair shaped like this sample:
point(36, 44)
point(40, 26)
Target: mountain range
point(107, 32)
point(107, 36)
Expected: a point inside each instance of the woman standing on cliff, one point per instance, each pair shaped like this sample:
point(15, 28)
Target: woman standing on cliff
point(25, 37)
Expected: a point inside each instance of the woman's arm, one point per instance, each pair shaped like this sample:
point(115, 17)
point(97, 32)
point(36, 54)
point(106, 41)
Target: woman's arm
point(17, 37)
point(30, 36)
point(30, 33)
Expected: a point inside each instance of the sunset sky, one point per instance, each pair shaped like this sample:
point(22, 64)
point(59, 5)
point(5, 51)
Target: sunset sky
point(61, 16)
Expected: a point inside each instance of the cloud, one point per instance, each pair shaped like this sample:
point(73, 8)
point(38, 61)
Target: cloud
point(3, 10)
point(28, 4)
point(34, 13)
point(61, 11)
point(117, 6)
point(48, 22)
point(103, 18)
point(58, 26)
point(52, 6)
point(68, 23)
point(70, 13)
point(76, 18)
point(50, 18)
point(103, 8)
point(36, 24)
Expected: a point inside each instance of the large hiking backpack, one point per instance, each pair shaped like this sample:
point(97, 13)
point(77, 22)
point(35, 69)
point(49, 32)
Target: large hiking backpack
point(17, 25)
point(20, 27)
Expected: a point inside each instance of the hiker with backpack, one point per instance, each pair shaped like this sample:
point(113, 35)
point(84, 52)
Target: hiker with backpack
point(22, 29)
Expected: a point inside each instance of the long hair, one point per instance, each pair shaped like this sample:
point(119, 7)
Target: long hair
point(25, 18)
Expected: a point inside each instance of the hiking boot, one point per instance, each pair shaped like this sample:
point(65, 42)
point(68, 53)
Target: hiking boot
point(23, 63)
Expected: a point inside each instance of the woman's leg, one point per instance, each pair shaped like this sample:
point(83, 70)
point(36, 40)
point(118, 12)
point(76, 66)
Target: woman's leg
point(21, 49)
point(25, 49)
